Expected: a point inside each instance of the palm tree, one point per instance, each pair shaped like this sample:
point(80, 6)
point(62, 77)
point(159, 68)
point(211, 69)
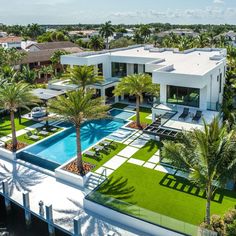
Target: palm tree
point(96, 43)
point(137, 85)
point(12, 97)
point(145, 32)
point(107, 30)
point(209, 155)
point(28, 75)
point(56, 59)
point(76, 108)
point(83, 76)
point(46, 70)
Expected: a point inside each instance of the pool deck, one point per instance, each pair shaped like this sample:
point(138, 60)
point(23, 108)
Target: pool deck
point(67, 201)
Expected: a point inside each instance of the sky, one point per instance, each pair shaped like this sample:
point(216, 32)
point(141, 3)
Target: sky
point(118, 11)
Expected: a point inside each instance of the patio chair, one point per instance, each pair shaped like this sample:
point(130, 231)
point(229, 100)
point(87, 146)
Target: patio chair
point(197, 116)
point(184, 113)
point(92, 154)
point(29, 135)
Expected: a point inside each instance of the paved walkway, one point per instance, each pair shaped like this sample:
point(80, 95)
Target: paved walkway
point(67, 201)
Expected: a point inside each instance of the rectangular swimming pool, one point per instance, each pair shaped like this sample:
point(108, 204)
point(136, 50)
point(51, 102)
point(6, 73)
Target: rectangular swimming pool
point(62, 147)
point(121, 114)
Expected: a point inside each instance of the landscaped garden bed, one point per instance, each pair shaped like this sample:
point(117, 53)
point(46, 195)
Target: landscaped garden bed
point(73, 168)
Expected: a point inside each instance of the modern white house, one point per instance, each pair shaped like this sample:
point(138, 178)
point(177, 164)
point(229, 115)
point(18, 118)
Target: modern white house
point(193, 78)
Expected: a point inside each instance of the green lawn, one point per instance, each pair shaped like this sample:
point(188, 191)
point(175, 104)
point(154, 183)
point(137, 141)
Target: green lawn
point(144, 112)
point(147, 151)
point(5, 125)
point(119, 105)
point(105, 156)
point(161, 193)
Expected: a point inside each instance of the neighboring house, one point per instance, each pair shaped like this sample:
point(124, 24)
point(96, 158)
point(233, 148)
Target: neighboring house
point(10, 42)
point(50, 45)
point(193, 78)
point(3, 34)
point(84, 33)
point(180, 32)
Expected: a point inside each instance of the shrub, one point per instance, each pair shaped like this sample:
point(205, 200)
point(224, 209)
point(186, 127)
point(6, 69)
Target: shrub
point(218, 224)
point(230, 216)
point(231, 229)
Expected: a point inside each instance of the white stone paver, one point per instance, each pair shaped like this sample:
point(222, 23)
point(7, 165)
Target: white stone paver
point(157, 153)
point(128, 152)
point(115, 162)
point(147, 136)
point(154, 159)
point(139, 143)
point(165, 169)
point(149, 165)
point(136, 161)
point(104, 171)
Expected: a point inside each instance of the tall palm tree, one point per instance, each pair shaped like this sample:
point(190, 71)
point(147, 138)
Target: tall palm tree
point(145, 32)
point(107, 30)
point(46, 70)
point(96, 43)
point(209, 155)
point(137, 85)
point(77, 108)
point(12, 97)
point(56, 59)
point(83, 76)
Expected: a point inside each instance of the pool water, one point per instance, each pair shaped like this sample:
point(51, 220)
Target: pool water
point(121, 114)
point(62, 147)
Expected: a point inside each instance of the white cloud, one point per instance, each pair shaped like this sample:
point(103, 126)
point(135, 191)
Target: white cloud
point(218, 1)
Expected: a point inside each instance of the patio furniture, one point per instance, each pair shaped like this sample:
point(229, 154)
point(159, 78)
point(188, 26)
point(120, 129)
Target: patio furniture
point(53, 129)
point(38, 112)
point(197, 116)
point(184, 114)
point(98, 147)
point(44, 133)
point(32, 136)
point(91, 154)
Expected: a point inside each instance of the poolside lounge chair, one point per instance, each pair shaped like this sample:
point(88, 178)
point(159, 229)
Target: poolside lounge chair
point(106, 142)
point(184, 113)
point(98, 147)
point(91, 154)
point(44, 133)
point(32, 136)
point(197, 116)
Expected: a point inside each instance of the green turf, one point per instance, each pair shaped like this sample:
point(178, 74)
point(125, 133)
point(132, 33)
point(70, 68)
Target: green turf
point(105, 156)
point(119, 105)
point(165, 194)
point(5, 125)
point(144, 112)
point(147, 151)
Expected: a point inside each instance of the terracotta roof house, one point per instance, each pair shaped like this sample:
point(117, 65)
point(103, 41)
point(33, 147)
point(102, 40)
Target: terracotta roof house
point(50, 45)
point(10, 42)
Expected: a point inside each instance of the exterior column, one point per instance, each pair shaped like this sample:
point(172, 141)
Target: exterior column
point(77, 226)
point(116, 99)
point(103, 94)
point(49, 217)
point(26, 204)
point(5, 189)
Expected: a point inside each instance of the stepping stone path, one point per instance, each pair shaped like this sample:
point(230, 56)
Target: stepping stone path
point(128, 152)
point(115, 162)
point(139, 143)
point(136, 161)
point(149, 165)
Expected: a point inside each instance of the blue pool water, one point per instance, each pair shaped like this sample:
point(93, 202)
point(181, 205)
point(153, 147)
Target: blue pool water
point(62, 147)
point(121, 114)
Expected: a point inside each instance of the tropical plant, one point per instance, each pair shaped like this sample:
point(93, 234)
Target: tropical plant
point(107, 30)
point(209, 156)
point(96, 43)
point(12, 97)
point(145, 32)
point(28, 75)
point(137, 85)
point(76, 108)
point(56, 59)
point(82, 76)
point(46, 70)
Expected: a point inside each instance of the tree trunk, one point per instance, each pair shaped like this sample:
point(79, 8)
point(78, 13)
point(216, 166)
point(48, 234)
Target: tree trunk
point(79, 152)
point(137, 111)
point(107, 44)
point(13, 132)
point(208, 204)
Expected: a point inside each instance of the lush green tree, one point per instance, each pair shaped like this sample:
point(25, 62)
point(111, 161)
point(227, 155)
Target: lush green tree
point(76, 108)
point(209, 156)
point(34, 30)
point(121, 43)
point(12, 97)
point(28, 75)
point(107, 30)
point(56, 59)
point(46, 71)
point(145, 32)
point(96, 43)
point(83, 76)
point(137, 85)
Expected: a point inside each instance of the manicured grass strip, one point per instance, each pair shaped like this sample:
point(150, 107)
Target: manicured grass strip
point(5, 125)
point(172, 196)
point(147, 151)
point(144, 112)
point(105, 156)
point(119, 105)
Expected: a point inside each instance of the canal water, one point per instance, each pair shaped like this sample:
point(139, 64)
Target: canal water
point(15, 224)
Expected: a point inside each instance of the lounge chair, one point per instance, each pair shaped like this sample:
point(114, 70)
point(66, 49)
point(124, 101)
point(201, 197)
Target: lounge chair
point(184, 113)
point(43, 133)
point(32, 136)
point(197, 116)
point(98, 147)
point(91, 154)
point(106, 142)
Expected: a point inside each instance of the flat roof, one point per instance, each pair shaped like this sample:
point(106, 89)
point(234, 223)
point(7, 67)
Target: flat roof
point(196, 62)
point(46, 94)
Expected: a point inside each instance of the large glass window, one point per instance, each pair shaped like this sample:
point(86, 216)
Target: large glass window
point(100, 69)
point(183, 96)
point(119, 69)
point(135, 68)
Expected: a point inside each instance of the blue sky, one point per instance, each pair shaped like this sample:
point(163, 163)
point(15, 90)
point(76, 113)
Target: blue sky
point(118, 11)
